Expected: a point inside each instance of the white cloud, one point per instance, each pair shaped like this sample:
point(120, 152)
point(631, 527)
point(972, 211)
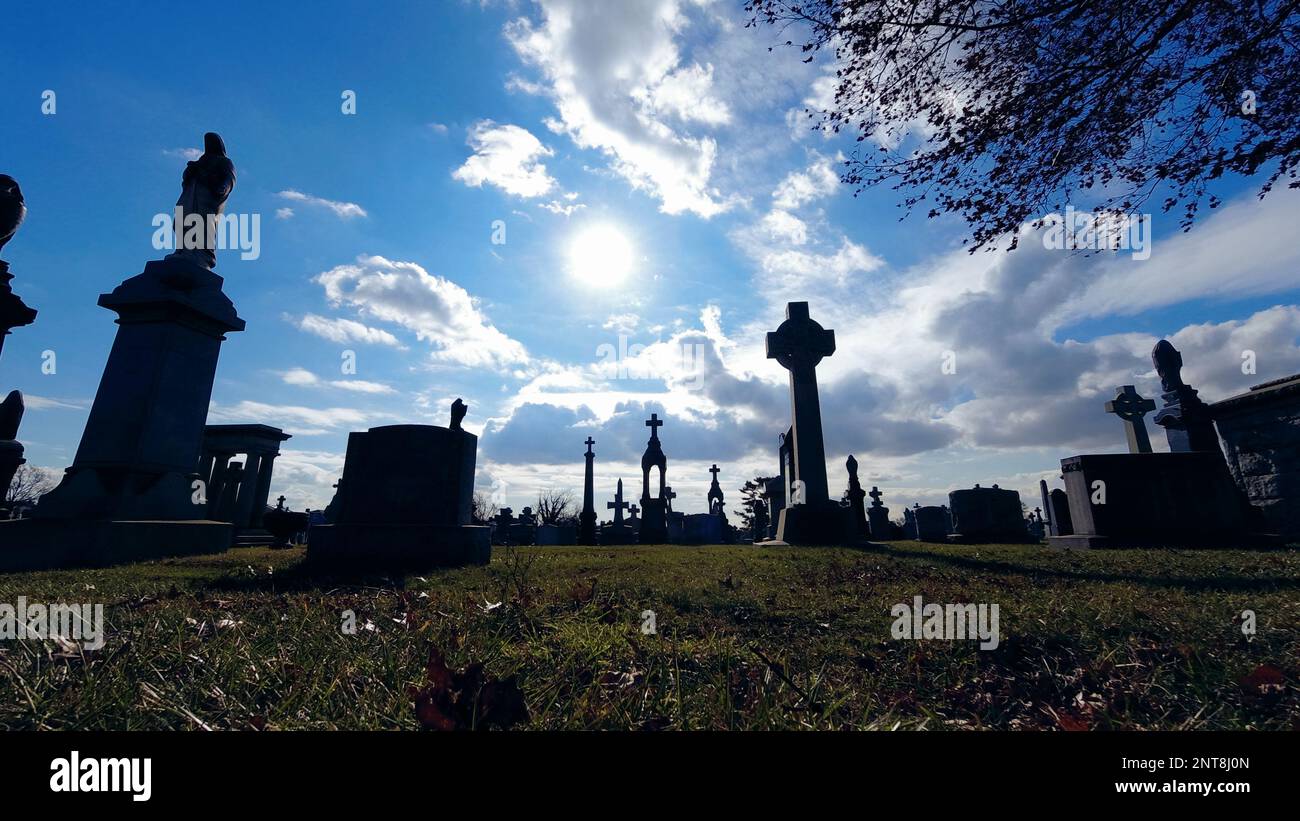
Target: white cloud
point(188, 154)
point(624, 323)
point(297, 420)
point(33, 402)
point(305, 378)
point(438, 310)
point(616, 76)
point(284, 213)
point(506, 156)
point(343, 210)
point(801, 187)
point(343, 331)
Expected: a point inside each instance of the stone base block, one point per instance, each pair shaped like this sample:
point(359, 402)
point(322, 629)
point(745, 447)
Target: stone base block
point(398, 547)
point(617, 534)
point(824, 524)
point(50, 544)
point(556, 535)
point(255, 537)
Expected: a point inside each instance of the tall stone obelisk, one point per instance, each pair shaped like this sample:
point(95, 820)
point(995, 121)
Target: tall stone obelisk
point(132, 492)
point(587, 519)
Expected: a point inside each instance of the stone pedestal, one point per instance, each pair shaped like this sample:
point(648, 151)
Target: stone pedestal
point(654, 521)
point(404, 502)
point(1154, 499)
point(129, 494)
point(825, 523)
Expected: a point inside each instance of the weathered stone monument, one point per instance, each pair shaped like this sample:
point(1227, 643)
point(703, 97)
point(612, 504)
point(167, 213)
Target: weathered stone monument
point(14, 313)
point(1182, 498)
point(987, 515)
point(242, 488)
point(774, 491)
point(700, 528)
point(759, 518)
point(856, 496)
point(1056, 510)
point(1260, 430)
point(556, 534)
point(404, 502)
point(524, 531)
point(654, 509)
point(882, 530)
point(587, 519)
point(926, 524)
point(501, 525)
point(284, 524)
point(131, 492)
point(11, 451)
point(1131, 408)
point(715, 497)
point(1188, 424)
point(810, 516)
point(618, 532)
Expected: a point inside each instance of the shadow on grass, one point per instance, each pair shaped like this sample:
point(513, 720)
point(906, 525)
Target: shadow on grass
point(1237, 583)
point(306, 576)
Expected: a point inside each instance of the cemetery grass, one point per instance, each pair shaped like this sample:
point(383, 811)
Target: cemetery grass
point(746, 638)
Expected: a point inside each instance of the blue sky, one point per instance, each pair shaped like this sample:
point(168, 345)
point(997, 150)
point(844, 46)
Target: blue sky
point(661, 131)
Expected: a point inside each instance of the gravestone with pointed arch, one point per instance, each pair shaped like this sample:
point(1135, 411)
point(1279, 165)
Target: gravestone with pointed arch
point(654, 509)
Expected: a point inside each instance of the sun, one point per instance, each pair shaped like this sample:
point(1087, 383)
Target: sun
point(601, 256)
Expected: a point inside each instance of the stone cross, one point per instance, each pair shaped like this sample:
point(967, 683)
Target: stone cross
point(618, 505)
point(654, 423)
point(589, 443)
point(279, 503)
point(798, 345)
point(875, 495)
point(669, 495)
point(1132, 408)
point(715, 471)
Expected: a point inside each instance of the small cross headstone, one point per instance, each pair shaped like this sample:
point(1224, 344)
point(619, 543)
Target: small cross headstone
point(618, 505)
point(875, 495)
point(1129, 406)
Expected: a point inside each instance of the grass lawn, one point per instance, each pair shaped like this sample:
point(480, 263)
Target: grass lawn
point(746, 638)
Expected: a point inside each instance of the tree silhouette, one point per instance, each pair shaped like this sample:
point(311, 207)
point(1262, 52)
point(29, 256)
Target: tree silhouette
point(1001, 111)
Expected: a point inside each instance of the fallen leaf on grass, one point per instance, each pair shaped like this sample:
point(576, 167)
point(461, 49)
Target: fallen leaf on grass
point(466, 699)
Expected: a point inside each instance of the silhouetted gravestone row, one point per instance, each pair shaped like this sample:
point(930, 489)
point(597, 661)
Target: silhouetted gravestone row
point(151, 479)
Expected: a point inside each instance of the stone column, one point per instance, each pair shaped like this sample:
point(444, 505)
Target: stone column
point(217, 484)
point(205, 467)
point(587, 519)
point(263, 489)
point(247, 492)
